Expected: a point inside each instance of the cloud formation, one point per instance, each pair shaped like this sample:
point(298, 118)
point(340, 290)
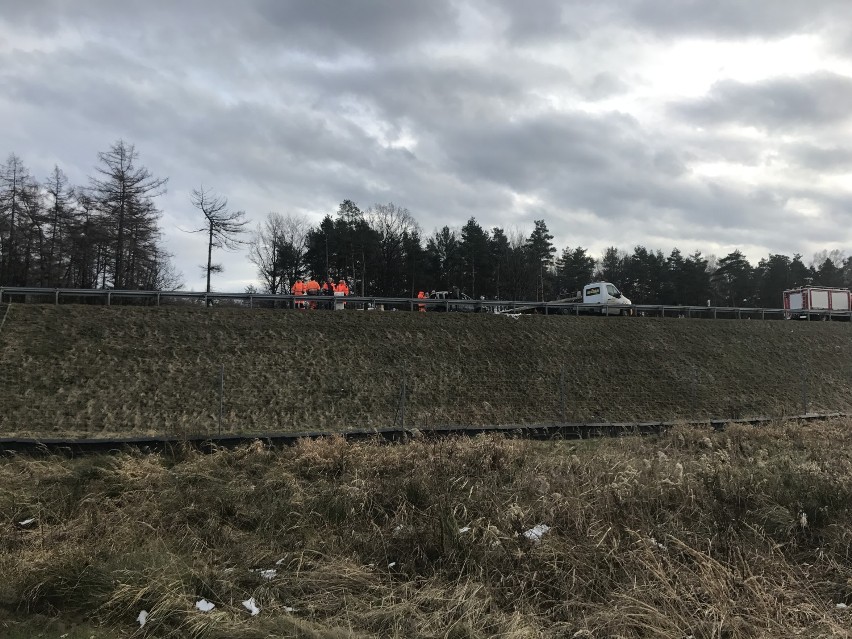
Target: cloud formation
point(706, 125)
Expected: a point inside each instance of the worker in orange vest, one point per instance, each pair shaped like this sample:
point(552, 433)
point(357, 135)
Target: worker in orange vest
point(298, 289)
point(342, 288)
point(312, 288)
point(421, 296)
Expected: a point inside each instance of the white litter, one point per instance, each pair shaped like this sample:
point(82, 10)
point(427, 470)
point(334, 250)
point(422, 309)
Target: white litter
point(142, 618)
point(280, 561)
point(251, 606)
point(841, 606)
point(535, 533)
point(267, 573)
point(464, 530)
point(289, 609)
point(656, 543)
point(204, 605)
point(27, 522)
point(392, 564)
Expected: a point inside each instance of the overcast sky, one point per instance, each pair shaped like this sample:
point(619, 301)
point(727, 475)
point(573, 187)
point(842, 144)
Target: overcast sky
point(701, 124)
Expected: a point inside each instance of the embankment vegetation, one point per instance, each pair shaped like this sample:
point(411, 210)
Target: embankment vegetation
point(736, 534)
point(100, 371)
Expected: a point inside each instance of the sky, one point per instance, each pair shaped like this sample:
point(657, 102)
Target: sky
point(708, 125)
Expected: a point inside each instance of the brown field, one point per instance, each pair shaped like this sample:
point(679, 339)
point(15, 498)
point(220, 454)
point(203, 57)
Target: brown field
point(92, 371)
point(739, 534)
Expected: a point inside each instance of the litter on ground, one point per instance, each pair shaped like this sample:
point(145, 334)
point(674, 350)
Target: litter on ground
point(251, 605)
point(464, 530)
point(535, 533)
point(204, 606)
point(142, 618)
point(267, 573)
point(27, 522)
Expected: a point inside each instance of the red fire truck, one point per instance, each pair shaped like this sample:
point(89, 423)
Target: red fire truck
point(800, 303)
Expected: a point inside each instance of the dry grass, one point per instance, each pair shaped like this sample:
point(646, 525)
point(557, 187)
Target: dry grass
point(740, 534)
point(96, 371)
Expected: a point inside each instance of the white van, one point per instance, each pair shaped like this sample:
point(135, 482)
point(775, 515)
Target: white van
point(605, 294)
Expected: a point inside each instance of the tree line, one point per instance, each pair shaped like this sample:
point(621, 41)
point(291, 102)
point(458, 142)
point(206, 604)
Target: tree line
point(382, 252)
point(107, 234)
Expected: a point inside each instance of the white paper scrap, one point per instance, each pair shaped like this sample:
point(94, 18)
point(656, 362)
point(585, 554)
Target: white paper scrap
point(464, 530)
point(392, 564)
point(841, 606)
point(27, 522)
point(535, 533)
point(251, 605)
point(204, 605)
point(142, 618)
point(289, 609)
point(269, 573)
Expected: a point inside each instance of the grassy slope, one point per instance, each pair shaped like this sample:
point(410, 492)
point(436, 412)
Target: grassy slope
point(740, 534)
point(89, 370)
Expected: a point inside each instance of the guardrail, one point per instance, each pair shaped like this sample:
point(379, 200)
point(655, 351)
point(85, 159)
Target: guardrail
point(412, 304)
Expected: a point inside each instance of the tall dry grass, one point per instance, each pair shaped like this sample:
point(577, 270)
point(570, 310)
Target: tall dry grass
point(739, 534)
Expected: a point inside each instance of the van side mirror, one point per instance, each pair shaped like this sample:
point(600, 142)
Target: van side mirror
point(618, 296)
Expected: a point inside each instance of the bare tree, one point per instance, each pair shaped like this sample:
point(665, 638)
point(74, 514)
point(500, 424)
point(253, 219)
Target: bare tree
point(223, 227)
point(392, 224)
point(124, 195)
point(278, 248)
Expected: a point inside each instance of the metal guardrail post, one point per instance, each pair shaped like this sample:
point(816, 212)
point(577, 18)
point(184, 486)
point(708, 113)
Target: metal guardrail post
point(56, 298)
point(109, 298)
point(158, 299)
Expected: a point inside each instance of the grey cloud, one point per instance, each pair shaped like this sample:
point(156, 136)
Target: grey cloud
point(734, 18)
point(828, 159)
point(815, 100)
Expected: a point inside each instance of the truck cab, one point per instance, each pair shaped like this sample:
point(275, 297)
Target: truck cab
point(606, 295)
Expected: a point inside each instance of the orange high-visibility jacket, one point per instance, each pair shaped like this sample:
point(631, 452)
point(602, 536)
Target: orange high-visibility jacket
point(342, 288)
point(312, 285)
point(299, 288)
point(421, 295)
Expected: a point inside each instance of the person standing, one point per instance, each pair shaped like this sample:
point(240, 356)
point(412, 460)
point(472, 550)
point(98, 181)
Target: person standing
point(421, 307)
point(298, 290)
point(313, 290)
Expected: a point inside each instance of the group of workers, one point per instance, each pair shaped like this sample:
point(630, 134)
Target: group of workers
point(309, 286)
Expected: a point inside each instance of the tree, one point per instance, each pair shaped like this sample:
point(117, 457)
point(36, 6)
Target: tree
point(391, 225)
point(733, 280)
point(611, 267)
point(540, 252)
point(443, 252)
point(223, 227)
point(124, 195)
point(574, 269)
point(476, 258)
point(772, 277)
point(277, 248)
point(59, 217)
point(15, 183)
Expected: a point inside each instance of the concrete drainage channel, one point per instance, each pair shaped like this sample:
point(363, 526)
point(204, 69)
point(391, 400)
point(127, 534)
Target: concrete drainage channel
point(207, 444)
